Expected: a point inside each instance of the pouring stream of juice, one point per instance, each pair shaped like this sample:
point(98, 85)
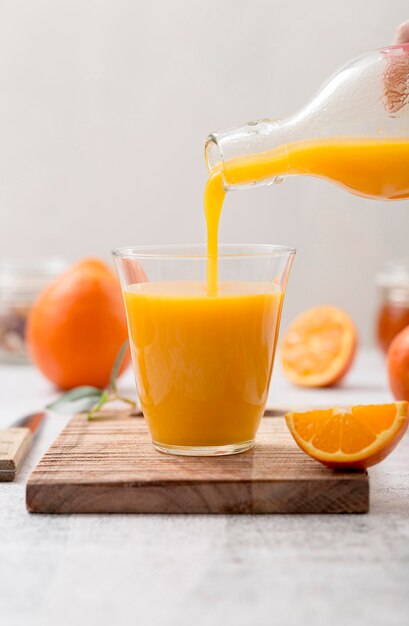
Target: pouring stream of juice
point(214, 198)
point(371, 168)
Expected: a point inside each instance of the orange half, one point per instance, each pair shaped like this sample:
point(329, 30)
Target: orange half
point(319, 347)
point(350, 438)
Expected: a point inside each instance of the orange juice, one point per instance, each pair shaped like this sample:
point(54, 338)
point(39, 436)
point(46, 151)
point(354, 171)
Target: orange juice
point(203, 363)
point(372, 168)
point(203, 352)
point(213, 202)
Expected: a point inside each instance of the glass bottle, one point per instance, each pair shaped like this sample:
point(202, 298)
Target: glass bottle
point(355, 132)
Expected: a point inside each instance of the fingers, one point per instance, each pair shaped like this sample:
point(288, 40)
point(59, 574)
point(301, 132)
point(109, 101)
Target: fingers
point(402, 33)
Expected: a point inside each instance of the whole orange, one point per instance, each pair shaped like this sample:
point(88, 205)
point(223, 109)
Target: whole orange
point(398, 365)
point(78, 325)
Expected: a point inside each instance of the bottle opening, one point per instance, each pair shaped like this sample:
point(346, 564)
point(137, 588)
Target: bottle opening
point(213, 154)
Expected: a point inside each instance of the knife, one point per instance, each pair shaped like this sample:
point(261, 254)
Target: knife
point(15, 442)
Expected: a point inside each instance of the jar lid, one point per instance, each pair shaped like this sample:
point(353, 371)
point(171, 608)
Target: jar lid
point(395, 275)
point(24, 280)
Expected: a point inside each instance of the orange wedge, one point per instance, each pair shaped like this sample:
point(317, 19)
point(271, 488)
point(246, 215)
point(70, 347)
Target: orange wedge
point(350, 438)
point(319, 347)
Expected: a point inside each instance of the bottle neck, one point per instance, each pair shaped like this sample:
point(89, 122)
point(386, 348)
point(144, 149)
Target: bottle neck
point(255, 153)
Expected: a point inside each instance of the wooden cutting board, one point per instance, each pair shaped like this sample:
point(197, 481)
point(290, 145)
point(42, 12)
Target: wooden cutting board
point(110, 466)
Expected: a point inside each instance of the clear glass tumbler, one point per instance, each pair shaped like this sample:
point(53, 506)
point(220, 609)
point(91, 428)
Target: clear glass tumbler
point(203, 361)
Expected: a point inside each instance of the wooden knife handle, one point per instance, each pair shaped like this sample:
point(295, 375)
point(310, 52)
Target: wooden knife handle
point(14, 445)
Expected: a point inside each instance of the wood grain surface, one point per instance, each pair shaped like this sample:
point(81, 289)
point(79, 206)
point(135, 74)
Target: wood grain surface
point(14, 444)
point(110, 466)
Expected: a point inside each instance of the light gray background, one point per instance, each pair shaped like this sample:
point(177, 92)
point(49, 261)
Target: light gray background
point(105, 106)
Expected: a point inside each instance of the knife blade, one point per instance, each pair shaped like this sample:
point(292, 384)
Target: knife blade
point(16, 441)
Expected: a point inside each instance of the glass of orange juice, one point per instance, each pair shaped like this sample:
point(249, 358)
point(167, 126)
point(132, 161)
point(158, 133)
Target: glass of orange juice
point(203, 357)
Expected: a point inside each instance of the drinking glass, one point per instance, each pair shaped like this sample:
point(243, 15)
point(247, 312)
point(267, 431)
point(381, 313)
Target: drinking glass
point(203, 360)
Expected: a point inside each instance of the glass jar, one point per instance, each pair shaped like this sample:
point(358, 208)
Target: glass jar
point(393, 313)
point(20, 285)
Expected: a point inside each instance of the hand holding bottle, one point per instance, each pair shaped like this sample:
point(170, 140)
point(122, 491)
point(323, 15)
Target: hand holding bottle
point(402, 33)
point(396, 73)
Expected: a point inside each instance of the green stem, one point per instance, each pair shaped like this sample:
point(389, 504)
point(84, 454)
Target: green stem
point(103, 400)
point(106, 397)
point(127, 400)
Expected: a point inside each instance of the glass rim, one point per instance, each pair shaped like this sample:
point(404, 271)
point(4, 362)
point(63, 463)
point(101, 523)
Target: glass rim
point(187, 251)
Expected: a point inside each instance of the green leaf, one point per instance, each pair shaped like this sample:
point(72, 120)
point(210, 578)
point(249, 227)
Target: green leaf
point(117, 365)
point(76, 400)
point(104, 398)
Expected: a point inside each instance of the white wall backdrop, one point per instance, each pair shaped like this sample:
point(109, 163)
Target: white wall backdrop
point(105, 106)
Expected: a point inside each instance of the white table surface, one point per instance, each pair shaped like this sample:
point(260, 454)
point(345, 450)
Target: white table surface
point(241, 570)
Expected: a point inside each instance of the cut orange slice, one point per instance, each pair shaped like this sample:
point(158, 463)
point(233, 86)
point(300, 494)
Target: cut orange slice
point(319, 347)
point(354, 437)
